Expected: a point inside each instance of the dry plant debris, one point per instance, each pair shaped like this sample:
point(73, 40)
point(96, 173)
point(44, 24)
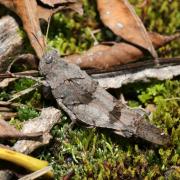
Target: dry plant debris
point(104, 56)
point(122, 19)
point(9, 132)
point(48, 118)
point(29, 11)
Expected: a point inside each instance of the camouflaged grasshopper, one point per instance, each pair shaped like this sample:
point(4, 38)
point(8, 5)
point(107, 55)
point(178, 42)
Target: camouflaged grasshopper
point(84, 100)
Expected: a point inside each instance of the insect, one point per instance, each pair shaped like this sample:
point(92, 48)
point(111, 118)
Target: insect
point(84, 100)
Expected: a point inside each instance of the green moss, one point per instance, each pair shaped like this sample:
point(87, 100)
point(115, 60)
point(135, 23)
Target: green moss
point(16, 123)
point(71, 33)
point(162, 16)
point(22, 84)
point(28, 102)
point(26, 113)
point(98, 154)
point(27, 48)
point(4, 96)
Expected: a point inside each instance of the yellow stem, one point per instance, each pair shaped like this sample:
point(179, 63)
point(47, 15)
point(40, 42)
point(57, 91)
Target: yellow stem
point(23, 160)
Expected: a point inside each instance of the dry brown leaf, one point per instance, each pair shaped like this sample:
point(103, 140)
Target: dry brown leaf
point(44, 13)
point(121, 18)
point(8, 131)
point(159, 40)
point(104, 56)
point(27, 11)
point(7, 3)
point(119, 53)
point(52, 3)
point(30, 12)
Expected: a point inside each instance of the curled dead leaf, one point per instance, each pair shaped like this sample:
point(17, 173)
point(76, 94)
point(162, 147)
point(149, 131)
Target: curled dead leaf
point(161, 40)
point(121, 18)
point(110, 56)
point(106, 56)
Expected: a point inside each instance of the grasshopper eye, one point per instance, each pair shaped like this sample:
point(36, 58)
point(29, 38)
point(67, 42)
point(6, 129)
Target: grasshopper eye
point(49, 59)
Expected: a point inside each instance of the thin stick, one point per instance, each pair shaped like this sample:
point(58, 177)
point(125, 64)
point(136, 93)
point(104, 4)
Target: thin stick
point(93, 36)
point(49, 21)
point(22, 93)
point(37, 174)
point(24, 73)
point(37, 79)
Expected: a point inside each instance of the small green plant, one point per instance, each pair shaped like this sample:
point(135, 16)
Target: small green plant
point(4, 96)
point(16, 123)
point(22, 84)
point(27, 48)
point(162, 16)
point(26, 113)
point(27, 102)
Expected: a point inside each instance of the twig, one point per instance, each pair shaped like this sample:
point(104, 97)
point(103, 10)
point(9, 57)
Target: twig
point(10, 104)
point(5, 82)
point(141, 71)
point(33, 73)
point(136, 66)
point(115, 80)
point(48, 26)
point(8, 115)
point(37, 79)
point(22, 93)
point(37, 174)
point(5, 109)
